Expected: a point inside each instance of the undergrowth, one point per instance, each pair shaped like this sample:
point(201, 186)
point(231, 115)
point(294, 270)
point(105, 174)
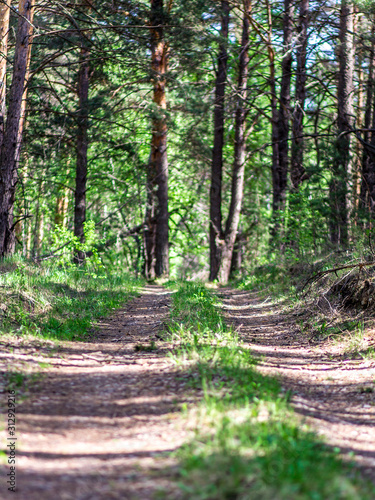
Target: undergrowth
point(270, 279)
point(331, 299)
point(248, 444)
point(58, 302)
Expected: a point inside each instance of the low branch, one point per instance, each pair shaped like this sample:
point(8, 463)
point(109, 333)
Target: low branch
point(321, 274)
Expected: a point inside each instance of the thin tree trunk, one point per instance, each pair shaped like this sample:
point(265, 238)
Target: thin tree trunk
point(4, 30)
point(25, 222)
point(62, 203)
point(239, 156)
point(82, 147)
point(13, 127)
point(359, 125)
point(39, 222)
point(276, 191)
point(341, 183)
point(298, 172)
point(284, 105)
point(156, 221)
point(368, 167)
point(216, 231)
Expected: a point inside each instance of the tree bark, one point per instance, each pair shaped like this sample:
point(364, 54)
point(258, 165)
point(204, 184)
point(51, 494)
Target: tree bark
point(4, 30)
point(239, 155)
point(156, 221)
point(39, 221)
point(62, 203)
point(358, 147)
point(216, 231)
point(276, 193)
point(298, 172)
point(367, 196)
point(284, 108)
point(238, 253)
point(82, 141)
point(340, 188)
point(82, 147)
point(13, 127)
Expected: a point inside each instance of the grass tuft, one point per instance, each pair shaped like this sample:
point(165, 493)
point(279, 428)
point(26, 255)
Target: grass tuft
point(146, 348)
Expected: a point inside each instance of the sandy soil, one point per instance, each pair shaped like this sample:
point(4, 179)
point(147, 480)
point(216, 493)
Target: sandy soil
point(329, 389)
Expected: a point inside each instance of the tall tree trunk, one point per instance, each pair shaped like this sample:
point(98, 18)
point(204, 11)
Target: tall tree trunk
point(23, 103)
point(82, 140)
point(284, 106)
point(340, 188)
point(239, 155)
point(367, 195)
point(369, 174)
point(82, 147)
point(359, 124)
point(274, 120)
point(13, 127)
point(156, 221)
point(216, 231)
point(298, 172)
point(4, 30)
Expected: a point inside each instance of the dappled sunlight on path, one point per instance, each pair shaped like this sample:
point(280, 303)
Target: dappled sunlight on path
point(99, 420)
point(334, 394)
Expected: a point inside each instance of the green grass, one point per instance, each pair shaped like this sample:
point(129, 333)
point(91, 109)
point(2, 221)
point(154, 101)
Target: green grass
point(54, 302)
point(248, 443)
point(146, 347)
point(270, 279)
point(18, 381)
point(15, 380)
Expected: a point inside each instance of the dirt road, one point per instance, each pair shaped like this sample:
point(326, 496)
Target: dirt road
point(97, 423)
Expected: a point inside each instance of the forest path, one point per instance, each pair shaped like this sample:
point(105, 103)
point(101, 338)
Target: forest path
point(329, 391)
point(95, 426)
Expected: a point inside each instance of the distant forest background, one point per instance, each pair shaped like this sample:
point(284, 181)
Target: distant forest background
point(189, 138)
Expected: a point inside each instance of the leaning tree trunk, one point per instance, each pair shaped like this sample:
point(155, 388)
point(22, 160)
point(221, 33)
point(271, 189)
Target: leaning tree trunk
point(216, 232)
point(297, 170)
point(82, 147)
point(239, 155)
point(156, 232)
point(4, 30)
point(12, 132)
point(341, 172)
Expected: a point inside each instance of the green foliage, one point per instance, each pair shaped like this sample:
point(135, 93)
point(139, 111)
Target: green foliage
point(121, 108)
point(249, 444)
point(70, 244)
